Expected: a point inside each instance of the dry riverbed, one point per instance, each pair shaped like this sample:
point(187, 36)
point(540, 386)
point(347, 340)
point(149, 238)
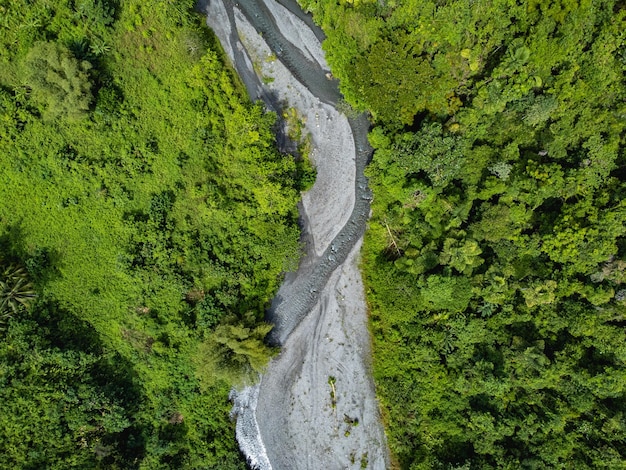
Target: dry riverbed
point(315, 407)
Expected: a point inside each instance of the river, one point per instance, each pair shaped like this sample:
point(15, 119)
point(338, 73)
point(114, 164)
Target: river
point(315, 406)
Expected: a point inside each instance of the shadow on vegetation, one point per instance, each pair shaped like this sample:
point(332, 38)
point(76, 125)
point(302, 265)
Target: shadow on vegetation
point(52, 332)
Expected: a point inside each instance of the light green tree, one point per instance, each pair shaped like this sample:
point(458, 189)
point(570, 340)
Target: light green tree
point(58, 80)
point(462, 257)
point(234, 353)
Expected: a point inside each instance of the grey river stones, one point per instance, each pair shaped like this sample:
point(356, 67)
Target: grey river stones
point(315, 406)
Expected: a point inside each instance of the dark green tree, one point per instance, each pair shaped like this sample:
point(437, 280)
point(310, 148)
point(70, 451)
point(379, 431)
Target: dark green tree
point(16, 291)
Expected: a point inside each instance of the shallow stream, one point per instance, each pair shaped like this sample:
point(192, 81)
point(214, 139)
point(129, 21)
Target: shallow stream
point(295, 417)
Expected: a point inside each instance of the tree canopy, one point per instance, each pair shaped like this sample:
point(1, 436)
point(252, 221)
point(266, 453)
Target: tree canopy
point(495, 258)
point(58, 80)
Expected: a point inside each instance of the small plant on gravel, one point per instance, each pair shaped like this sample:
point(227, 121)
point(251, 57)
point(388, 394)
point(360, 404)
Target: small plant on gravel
point(295, 123)
point(333, 398)
point(350, 421)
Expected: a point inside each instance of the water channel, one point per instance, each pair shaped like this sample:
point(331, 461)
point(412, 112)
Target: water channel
point(315, 407)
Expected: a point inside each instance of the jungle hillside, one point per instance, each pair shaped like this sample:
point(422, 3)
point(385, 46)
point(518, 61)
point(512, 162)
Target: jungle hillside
point(495, 261)
point(146, 219)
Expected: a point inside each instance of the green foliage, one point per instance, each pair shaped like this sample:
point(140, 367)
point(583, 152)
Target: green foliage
point(65, 401)
point(495, 257)
point(439, 155)
point(16, 291)
point(234, 353)
point(147, 202)
point(446, 293)
point(58, 80)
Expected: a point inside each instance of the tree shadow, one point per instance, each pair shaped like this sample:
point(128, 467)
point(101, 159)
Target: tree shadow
point(90, 370)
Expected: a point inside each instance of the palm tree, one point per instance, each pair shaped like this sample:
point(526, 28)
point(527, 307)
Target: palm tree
point(16, 291)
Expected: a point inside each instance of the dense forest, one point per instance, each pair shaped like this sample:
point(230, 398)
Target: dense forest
point(146, 219)
point(495, 262)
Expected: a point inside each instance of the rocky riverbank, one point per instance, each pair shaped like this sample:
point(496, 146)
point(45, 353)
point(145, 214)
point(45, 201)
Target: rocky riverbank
point(315, 406)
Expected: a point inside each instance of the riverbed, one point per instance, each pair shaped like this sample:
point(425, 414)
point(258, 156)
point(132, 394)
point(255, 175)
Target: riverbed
point(315, 406)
